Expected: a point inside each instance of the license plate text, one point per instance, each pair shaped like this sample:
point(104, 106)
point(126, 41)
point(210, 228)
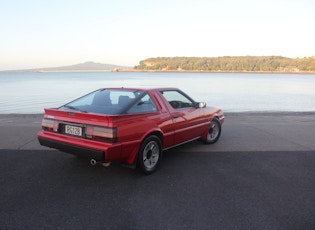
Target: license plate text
point(73, 130)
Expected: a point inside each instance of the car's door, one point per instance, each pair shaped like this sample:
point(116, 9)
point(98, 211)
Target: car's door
point(187, 118)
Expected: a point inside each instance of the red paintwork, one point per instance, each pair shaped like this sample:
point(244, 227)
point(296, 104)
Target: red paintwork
point(132, 129)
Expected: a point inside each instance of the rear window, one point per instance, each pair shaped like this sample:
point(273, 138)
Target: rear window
point(113, 102)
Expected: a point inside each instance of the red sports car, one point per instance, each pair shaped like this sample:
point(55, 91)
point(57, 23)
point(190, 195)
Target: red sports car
point(129, 125)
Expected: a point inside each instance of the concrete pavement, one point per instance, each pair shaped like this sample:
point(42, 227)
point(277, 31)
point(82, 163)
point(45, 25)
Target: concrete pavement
point(241, 132)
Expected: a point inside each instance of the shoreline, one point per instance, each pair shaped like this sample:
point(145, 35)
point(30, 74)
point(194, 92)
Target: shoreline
point(218, 71)
point(156, 71)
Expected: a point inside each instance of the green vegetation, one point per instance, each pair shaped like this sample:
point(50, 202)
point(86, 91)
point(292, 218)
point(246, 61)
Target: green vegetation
point(229, 64)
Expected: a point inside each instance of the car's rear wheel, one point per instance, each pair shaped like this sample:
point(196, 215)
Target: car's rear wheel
point(214, 132)
point(150, 154)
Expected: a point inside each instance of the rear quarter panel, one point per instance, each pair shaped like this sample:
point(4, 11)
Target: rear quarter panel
point(133, 129)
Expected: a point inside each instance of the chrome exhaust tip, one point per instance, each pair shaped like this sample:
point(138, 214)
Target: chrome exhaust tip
point(93, 162)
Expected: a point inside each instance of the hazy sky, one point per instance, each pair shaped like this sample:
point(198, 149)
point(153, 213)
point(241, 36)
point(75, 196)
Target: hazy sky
point(37, 33)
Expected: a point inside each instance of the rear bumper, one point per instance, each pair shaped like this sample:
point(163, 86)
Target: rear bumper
point(98, 155)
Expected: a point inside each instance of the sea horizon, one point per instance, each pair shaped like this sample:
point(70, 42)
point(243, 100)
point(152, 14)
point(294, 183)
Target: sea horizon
point(31, 92)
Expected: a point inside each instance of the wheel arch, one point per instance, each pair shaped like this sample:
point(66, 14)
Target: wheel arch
point(157, 133)
point(216, 116)
point(214, 128)
point(144, 154)
point(132, 159)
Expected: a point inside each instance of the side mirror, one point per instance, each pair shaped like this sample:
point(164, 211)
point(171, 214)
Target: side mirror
point(201, 104)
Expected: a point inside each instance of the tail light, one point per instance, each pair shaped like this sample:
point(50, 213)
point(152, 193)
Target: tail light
point(50, 125)
point(97, 133)
point(106, 134)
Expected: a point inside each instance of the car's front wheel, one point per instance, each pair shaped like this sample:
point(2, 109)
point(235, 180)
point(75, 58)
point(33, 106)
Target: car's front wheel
point(214, 132)
point(150, 154)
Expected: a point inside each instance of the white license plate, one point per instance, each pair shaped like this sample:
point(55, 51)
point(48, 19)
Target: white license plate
point(73, 130)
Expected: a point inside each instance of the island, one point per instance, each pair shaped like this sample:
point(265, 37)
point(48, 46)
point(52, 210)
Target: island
point(229, 64)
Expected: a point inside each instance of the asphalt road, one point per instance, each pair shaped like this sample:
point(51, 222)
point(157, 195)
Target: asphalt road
point(191, 190)
point(260, 175)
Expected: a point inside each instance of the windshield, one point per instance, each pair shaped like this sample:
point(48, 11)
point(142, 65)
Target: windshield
point(111, 102)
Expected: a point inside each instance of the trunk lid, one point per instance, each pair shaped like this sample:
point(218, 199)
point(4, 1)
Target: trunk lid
point(78, 117)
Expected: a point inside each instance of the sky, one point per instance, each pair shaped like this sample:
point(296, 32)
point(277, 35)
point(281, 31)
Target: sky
point(38, 34)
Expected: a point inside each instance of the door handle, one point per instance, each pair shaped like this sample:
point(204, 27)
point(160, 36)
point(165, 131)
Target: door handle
point(175, 116)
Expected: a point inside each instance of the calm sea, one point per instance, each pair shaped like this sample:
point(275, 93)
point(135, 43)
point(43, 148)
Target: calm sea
point(29, 92)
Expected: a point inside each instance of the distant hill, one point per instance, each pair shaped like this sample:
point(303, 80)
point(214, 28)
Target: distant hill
point(87, 66)
point(82, 67)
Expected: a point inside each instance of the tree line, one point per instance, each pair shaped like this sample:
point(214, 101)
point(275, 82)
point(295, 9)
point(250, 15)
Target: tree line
point(229, 64)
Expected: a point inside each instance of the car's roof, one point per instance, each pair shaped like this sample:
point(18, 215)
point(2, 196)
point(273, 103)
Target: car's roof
point(146, 88)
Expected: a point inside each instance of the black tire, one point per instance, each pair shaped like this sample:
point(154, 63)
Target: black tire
point(149, 155)
point(214, 132)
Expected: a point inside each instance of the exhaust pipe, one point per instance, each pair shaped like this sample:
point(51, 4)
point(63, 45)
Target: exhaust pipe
point(105, 164)
point(93, 162)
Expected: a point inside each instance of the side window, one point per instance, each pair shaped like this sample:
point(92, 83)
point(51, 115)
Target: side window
point(145, 105)
point(177, 100)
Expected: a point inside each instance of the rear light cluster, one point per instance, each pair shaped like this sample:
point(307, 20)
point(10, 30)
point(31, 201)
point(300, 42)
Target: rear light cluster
point(97, 133)
point(50, 125)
